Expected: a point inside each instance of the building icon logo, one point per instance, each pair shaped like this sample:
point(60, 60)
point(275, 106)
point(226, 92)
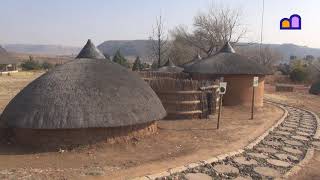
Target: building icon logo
point(292, 23)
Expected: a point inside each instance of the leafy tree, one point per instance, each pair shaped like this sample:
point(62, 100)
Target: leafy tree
point(120, 59)
point(107, 56)
point(315, 88)
point(299, 74)
point(47, 66)
point(137, 65)
point(31, 64)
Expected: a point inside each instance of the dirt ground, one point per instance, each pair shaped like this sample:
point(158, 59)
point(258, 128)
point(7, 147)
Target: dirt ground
point(302, 98)
point(177, 143)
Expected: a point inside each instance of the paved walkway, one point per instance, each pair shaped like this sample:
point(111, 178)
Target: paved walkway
point(274, 156)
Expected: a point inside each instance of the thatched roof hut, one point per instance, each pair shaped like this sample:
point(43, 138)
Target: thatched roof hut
point(88, 98)
point(237, 70)
point(227, 62)
point(170, 67)
point(90, 51)
point(190, 63)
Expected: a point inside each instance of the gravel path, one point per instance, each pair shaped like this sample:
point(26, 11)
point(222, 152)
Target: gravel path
point(282, 149)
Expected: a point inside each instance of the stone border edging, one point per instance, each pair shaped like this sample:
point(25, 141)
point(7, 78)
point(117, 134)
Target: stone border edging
point(221, 157)
point(260, 138)
point(295, 169)
point(317, 134)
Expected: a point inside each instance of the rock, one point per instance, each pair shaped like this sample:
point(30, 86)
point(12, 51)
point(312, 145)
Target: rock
point(225, 169)
point(197, 176)
point(305, 130)
point(286, 157)
point(283, 133)
point(291, 150)
point(307, 127)
point(257, 155)
point(303, 133)
point(272, 143)
point(267, 150)
point(302, 138)
point(290, 126)
point(266, 171)
point(286, 129)
point(245, 161)
point(277, 137)
point(280, 163)
point(293, 143)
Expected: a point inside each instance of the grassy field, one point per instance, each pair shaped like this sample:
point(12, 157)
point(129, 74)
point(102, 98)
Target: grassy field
point(11, 85)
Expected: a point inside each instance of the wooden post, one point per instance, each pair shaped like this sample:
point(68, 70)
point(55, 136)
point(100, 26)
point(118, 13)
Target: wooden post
point(219, 114)
point(252, 105)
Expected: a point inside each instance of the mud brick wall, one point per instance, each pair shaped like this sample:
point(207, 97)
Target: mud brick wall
point(66, 138)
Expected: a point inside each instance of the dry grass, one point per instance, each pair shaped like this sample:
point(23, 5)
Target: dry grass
point(11, 85)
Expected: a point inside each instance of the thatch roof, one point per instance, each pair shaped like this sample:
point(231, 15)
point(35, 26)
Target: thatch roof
point(190, 63)
point(84, 93)
point(227, 62)
point(169, 66)
point(5, 57)
point(90, 51)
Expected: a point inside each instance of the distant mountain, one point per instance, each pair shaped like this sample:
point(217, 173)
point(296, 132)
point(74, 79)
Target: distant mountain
point(288, 50)
point(127, 47)
point(132, 48)
point(142, 47)
point(42, 49)
point(3, 51)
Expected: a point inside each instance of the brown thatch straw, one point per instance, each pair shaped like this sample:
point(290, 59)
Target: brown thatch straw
point(84, 93)
point(90, 51)
point(227, 62)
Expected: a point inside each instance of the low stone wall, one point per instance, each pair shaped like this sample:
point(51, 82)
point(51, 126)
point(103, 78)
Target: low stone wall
point(284, 88)
point(68, 138)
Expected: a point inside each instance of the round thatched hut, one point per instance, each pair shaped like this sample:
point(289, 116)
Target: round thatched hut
point(170, 67)
point(238, 71)
point(190, 63)
point(83, 101)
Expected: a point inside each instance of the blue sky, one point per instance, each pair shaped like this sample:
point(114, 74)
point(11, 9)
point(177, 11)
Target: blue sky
point(71, 22)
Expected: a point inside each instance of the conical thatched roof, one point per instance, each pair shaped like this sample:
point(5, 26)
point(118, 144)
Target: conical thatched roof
point(5, 57)
point(170, 67)
point(84, 93)
point(90, 51)
point(190, 63)
point(227, 62)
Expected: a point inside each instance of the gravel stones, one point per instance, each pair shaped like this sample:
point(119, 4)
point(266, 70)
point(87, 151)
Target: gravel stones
point(266, 171)
point(303, 133)
point(267, 150)
point(272, 143)
point(277, 162)
point(197, 176)
point(286, 157)
point(257, 155)
point(301, 138)
point(245, 161)
point(291, 150)
point(293, 143)
point(283, 133)
point(225, 169)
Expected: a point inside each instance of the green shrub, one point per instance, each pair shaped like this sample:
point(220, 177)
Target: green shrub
point(30, 65)
point(299, 74)
point(315, 88)
point(47, 66)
